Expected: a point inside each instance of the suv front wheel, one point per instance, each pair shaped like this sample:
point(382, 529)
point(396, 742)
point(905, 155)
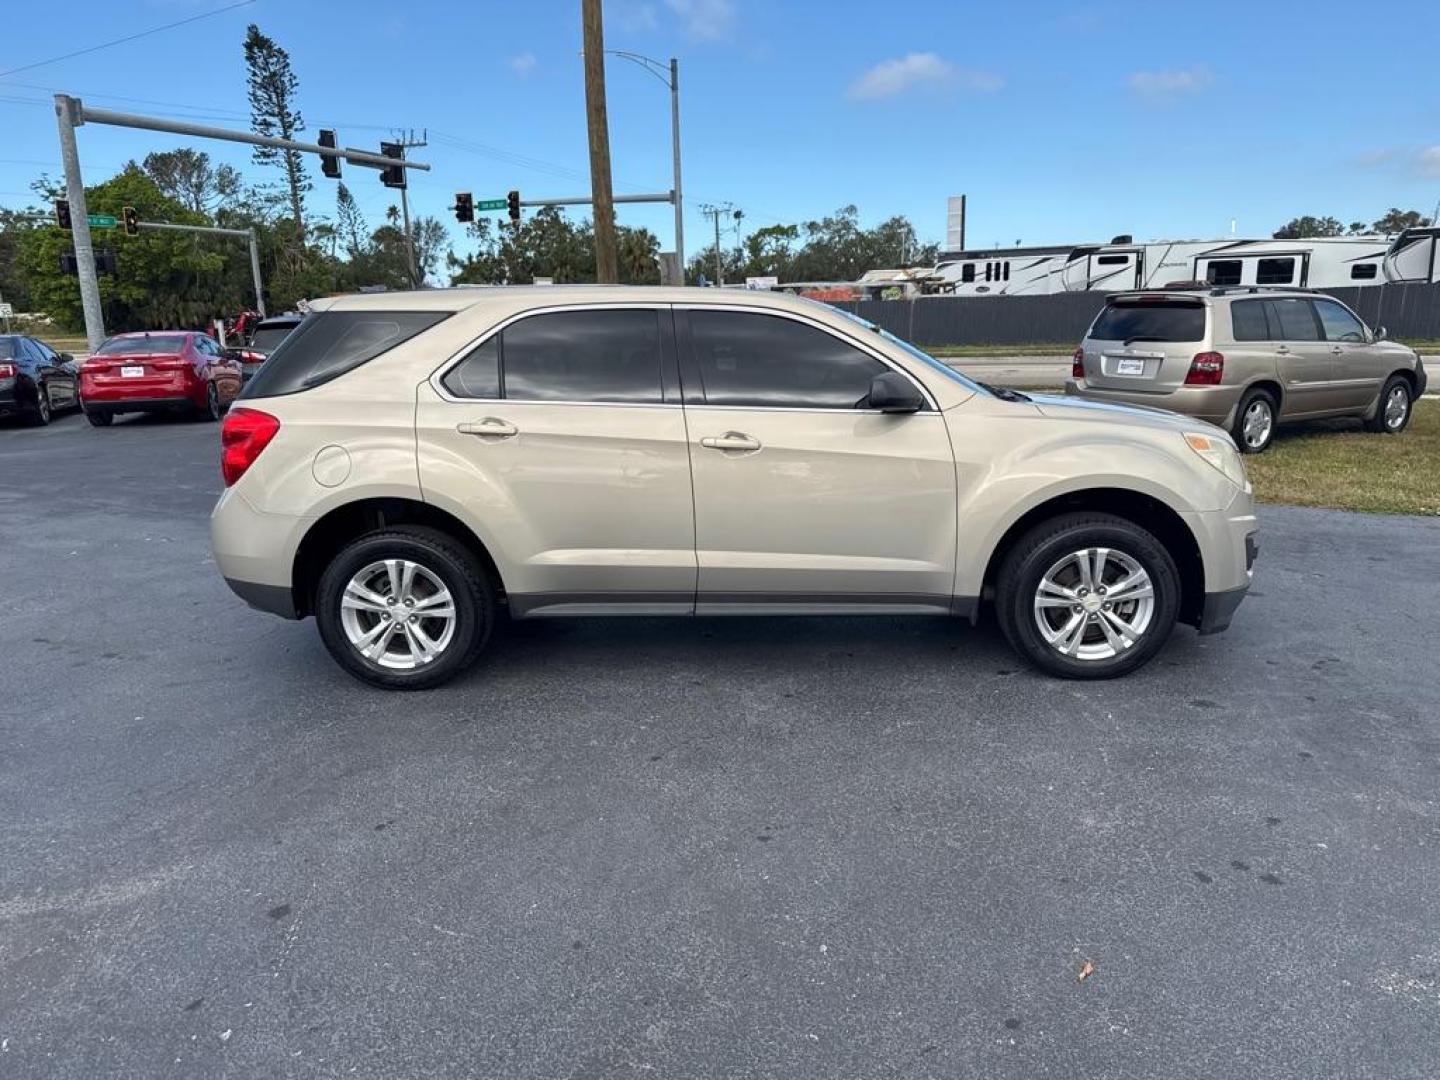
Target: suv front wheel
point(404, 608)
point(1087, 596)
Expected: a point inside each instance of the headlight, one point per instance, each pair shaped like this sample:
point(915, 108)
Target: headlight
point(1222, 454)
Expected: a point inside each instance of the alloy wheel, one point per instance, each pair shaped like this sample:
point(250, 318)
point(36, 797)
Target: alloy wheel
point(398, 614)
point(1257, 424)
point(1094, 604)
point(1397, 408)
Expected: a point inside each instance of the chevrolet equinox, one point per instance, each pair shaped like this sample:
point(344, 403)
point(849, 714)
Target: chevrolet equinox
point(406, 465)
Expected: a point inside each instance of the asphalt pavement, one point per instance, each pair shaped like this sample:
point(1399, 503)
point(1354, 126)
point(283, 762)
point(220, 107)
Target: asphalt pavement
point(784, 848)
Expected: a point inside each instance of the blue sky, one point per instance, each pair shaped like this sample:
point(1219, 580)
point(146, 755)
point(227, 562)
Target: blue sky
point(1061, 122)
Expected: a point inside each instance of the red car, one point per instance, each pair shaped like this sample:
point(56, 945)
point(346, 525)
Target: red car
point(167, 371)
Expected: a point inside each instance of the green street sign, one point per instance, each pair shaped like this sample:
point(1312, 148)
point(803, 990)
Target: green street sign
point(491, 204)
point(105, 221)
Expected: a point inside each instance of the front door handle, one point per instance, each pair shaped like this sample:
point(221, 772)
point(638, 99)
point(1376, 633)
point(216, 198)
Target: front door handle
point(731, 440)
point(1337, 350)
point(1283, 350)
point(492, 427)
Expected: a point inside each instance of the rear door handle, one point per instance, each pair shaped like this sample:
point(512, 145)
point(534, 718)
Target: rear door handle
point(1283, 350)
point(731, 440)
point(492, 427)
point(1337, 350)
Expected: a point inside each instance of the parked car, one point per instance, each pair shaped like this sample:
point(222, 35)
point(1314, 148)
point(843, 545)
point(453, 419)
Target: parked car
point(404, 464)
point(35, 380)
point(265, 337)
point(166, 371)
point(1246, 359)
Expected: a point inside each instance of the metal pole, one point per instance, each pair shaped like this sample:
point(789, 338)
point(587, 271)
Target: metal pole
point(255, 273)
point(67, 112)
point(675, 143)
point(409, 239)
point(719, 267)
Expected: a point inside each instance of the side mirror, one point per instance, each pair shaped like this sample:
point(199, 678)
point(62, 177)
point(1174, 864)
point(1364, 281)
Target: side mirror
point(66, 358)
point(1381, 334)
point(892, 392)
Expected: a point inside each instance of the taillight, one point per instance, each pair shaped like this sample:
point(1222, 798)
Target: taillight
point(1077, 364)
point(8, 371)
point(170, 363)
point(1207, 369)
point(243, 435)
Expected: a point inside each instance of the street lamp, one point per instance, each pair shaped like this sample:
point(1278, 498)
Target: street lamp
point(669, 74)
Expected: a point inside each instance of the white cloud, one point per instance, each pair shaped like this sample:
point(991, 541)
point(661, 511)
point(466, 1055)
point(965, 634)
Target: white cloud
point(1427, 162)
point(705, 20)
point(523, 64)
point(892, 77)
point(1161, 87)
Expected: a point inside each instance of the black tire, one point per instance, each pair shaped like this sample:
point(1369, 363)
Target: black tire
point(1383, 422)
point(1265, 402)
point(41, 416)
point(446, 560)
point(212, 411)
point(1042, 548)
point(99, 417)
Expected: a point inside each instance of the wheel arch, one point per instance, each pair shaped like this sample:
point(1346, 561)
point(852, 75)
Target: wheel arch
point(331, 532)
point(1146, 511)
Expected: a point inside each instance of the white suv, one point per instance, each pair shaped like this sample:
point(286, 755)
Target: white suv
point(405, 465)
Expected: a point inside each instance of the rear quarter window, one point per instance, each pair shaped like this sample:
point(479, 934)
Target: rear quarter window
point(1150, 320)
point(327, 344)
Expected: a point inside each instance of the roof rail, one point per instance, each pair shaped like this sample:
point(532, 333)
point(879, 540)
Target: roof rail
point(1222, 290)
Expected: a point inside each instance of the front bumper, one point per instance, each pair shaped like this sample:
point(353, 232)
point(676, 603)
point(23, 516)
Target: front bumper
point(1213, 404)
point(1229, 546)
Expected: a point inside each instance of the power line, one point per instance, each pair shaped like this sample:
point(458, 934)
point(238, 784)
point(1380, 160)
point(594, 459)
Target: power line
point(124, 40)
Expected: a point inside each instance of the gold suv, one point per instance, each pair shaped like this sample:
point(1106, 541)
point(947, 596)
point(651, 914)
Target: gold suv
point(405, 465)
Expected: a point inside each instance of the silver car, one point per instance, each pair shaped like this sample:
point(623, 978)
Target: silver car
point(1246, 359)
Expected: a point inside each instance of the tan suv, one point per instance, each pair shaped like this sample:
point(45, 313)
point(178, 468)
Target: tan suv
point(1246, 358)
point(405, 465)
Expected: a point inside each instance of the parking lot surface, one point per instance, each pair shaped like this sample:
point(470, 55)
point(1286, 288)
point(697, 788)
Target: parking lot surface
point(750, 848)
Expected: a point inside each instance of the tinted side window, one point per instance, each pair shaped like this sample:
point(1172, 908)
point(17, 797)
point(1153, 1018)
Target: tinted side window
point(1339, 324)
point(1247, 321)
point(765, 360)
point(583, 356)
point(1223, 272)
point(967, 272)
point(329, 343)
point(1275, 272)
point(1363, 272)
point(1294, 320)
point(1113, 260)
point(478, 375)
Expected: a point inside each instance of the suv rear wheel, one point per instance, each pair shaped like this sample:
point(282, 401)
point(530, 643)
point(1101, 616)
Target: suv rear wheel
point(1393, 413)
point(1254, 422)
point(1087, 596)
point(404, 608)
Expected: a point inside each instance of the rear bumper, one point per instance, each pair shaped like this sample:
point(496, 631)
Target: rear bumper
point(1214, 404)
point(137, 404)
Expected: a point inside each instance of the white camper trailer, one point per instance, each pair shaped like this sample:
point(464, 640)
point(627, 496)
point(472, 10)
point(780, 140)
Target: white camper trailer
point(1322, 263)
point(1413, 256)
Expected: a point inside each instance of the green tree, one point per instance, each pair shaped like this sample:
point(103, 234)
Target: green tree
point(349, 221)
point(189, 177)
point(1308, 227)
point(272, 88)
point(1397, 221)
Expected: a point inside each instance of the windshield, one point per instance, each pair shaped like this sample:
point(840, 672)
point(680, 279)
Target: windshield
point(915, 351)
point(149, 343)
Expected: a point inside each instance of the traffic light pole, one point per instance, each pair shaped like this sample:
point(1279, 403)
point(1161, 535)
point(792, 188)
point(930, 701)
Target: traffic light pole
point(211, 230)
point(67, 111)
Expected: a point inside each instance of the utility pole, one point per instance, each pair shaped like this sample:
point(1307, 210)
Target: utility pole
point(408, 141)
point(675, 146)
point(714, 213)
point(68, 113)
point(607, 263)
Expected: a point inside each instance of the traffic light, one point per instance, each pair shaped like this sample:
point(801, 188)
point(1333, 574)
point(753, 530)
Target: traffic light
point(68, 265)
point(132, 221)
point(329, 163)
point(513, 202)
point(394, 176)
point(464, 207)
point(62, 213)
point(105, 262)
